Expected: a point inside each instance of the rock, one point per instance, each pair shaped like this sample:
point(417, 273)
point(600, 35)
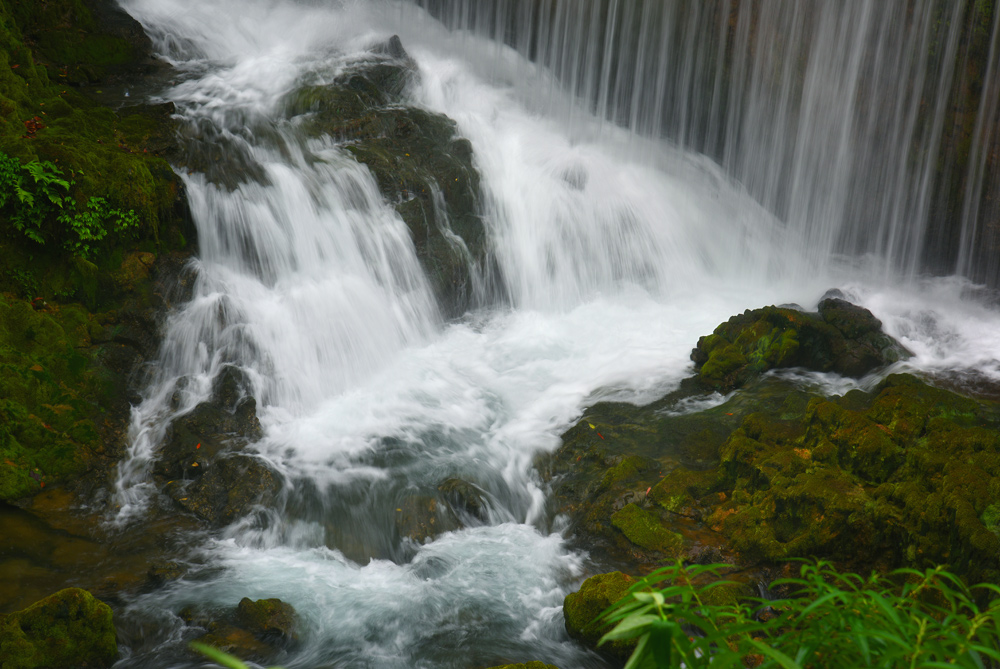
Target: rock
point(645, 530)
point(903, 476)
point(227, 488)
point(66, 630)
point(465, 498)
point(225, 423)
point(840, 337)
point(238, 642)
point(268, 619)
point(581, 609)
point(526, 665)
point(420, 164)
point(422, 517)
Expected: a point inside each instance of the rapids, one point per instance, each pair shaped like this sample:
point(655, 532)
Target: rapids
point(620, 243)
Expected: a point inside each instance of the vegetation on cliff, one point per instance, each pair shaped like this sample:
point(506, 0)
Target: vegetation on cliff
point(86, 206)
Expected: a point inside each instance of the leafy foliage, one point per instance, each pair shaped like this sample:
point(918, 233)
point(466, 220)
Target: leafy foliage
point(38, 191)
point(830, 620)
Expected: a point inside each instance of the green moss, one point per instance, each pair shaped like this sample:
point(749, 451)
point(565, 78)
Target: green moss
point(68, 629)
point(582, 608)
point(645, 530)
point(48, 396)
point(991, 519)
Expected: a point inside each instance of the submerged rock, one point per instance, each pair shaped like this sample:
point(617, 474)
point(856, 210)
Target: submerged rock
point(69, 629)
point(840, 337)
point(421, 165)
point(252, 631)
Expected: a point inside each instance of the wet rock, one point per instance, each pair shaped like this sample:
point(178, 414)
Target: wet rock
point(227, 488)
point(239, 643)
point(840, 337)
point(268, 619)
point(224, 423)
point(582, 608)
point(526, 665)
point(419, 162)
point(465, 498)
point(422, 517)
point(252, 631)
point(66, 630)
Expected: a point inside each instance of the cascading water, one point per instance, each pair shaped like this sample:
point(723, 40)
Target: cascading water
point(617, 250)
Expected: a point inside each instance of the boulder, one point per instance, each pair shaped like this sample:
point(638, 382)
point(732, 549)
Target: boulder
point(268, 619)
point(227, 488)
point(465, 499)
point(582, 608)
point(840, 337)
point(68, 629)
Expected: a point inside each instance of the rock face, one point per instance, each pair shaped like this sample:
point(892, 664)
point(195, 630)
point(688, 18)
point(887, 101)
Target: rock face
point(841, 338)
point(66, 630)
point(420, 163)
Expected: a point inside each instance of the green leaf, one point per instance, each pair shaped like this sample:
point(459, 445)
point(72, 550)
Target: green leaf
point(775, 654)
point(629, 628)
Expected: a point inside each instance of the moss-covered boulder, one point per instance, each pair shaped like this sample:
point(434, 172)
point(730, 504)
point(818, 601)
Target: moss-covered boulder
point(254, 631)
point(268, 619)
point(66, 630)
point(422, 167)
point(840, 337)
point(582, 608)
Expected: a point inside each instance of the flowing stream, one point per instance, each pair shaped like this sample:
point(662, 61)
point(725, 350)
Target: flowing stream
point(620, 243)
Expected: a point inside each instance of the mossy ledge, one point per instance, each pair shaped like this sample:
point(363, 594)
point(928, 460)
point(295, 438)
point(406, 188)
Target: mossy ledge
point(73, 329)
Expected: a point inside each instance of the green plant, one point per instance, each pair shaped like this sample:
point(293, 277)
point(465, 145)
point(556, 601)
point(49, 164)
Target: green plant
point(90, 225)
point(225, 659)
point(830, 620)
point(38, 190)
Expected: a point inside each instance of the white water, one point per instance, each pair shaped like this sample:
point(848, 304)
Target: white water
point(619, 253)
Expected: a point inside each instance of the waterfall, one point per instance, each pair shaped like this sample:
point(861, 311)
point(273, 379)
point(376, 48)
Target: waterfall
point(834, 116)
point(646, 169)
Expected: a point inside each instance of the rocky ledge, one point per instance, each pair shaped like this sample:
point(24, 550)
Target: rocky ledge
point(905, 474)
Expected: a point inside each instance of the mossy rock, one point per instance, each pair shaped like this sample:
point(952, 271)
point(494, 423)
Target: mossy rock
point(840, 337)
point(268, 619)
point(421, 165)
point(907, 476)
point(645, 530)
point(68, 629)
point(582, 608)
